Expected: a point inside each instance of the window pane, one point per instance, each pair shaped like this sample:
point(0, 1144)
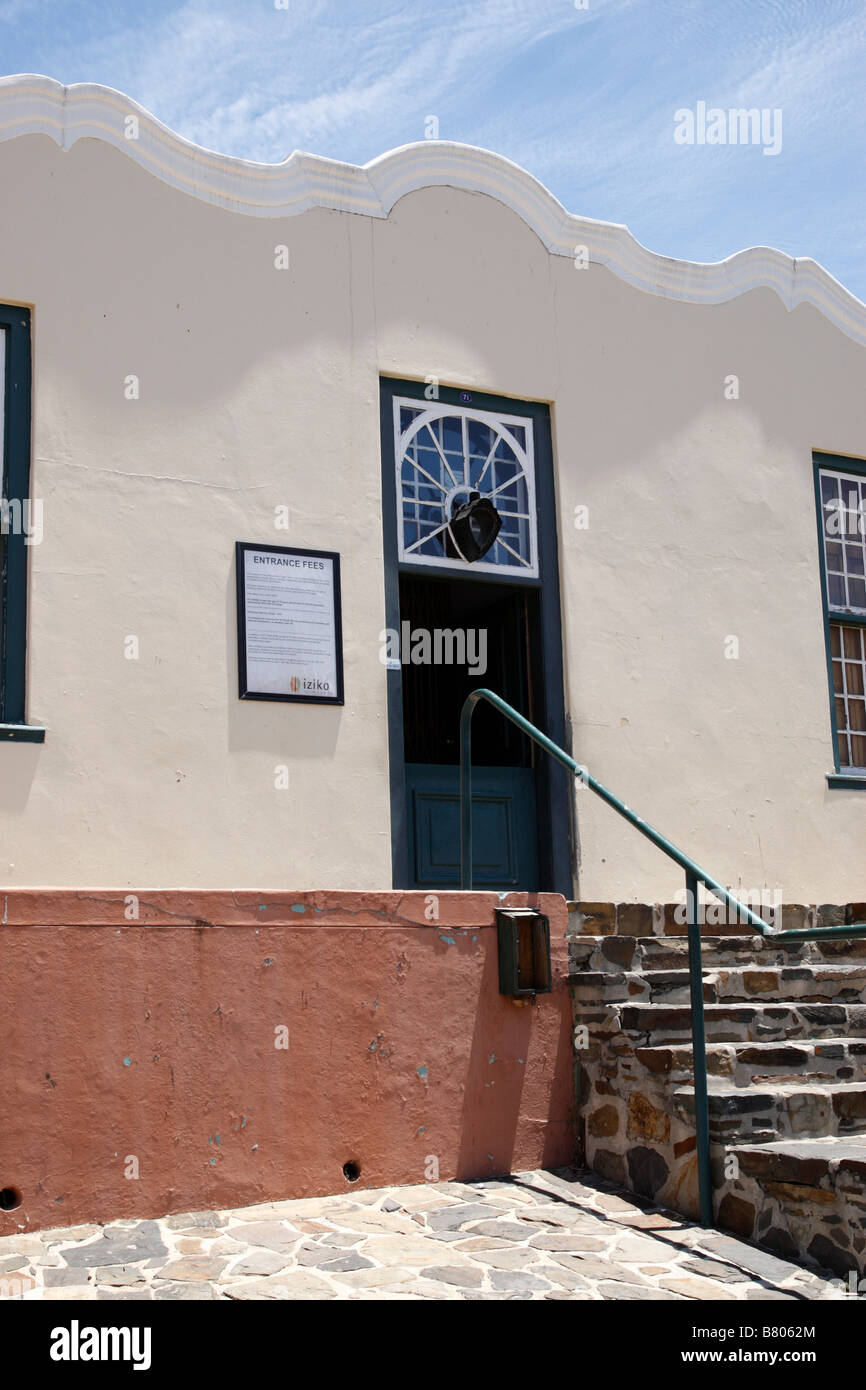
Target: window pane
point(843, 514)
point(834, 556)
point(856, 592)
point(854, 678)
point(829, 487)
point(849, 684)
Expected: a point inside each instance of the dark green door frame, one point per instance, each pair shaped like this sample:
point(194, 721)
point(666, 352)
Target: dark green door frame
point(553, 785)
point(15, 327)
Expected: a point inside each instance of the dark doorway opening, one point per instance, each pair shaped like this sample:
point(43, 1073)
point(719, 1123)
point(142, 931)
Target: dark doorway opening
point(433, 695)
point(483, 634)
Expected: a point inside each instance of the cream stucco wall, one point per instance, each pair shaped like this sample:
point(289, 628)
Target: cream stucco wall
point(260, 388)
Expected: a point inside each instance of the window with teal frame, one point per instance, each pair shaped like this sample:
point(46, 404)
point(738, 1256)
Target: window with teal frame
point(16, 513)
point(840, 488)
point(446, 454)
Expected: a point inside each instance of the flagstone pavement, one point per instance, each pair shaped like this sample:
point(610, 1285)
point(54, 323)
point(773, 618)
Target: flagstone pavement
point(535, 1235)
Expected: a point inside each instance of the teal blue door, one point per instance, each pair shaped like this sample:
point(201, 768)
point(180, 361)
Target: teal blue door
point(503, 826)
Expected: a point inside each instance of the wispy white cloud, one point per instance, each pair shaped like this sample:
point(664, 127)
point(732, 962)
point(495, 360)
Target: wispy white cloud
point(304, 78)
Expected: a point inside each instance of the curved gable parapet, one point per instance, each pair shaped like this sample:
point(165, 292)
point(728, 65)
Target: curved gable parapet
point(33, 105)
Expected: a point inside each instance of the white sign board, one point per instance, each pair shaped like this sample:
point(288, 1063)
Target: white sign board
point(290, 644)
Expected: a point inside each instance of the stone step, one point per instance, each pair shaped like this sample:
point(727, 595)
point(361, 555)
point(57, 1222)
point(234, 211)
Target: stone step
point(751, 1063)
point(615, 953)
point(672, 953)
point(657, 1024)
point(845, 984)
point(786, 1058)
point(842, 983)
point(668, 919)
point(777, 1110)
point(608, 986)
point(805, 1195)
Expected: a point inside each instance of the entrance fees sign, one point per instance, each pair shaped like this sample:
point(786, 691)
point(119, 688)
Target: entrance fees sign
point(290, 642)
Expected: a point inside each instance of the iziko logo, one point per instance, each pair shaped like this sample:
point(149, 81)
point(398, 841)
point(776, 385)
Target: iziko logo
point(76, 1343)
point(443, 646)
point(737, 126)
point(21, 518)
point(309, 683)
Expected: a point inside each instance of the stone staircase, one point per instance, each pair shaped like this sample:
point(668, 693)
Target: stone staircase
point(786, 1057)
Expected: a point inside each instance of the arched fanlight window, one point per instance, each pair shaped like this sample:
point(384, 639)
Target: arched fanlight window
point(457, 468)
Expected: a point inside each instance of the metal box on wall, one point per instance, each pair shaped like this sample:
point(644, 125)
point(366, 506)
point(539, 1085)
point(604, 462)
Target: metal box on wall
point(524, 952)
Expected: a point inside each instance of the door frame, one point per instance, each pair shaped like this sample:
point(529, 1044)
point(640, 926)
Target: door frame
point(553, 790)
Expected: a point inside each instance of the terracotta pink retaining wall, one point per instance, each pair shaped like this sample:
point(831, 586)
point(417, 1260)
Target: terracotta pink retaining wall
point(148, 1046)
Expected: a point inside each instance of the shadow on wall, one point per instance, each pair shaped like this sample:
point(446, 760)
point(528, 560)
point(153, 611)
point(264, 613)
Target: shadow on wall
point(20, 761)
point(507, 1045)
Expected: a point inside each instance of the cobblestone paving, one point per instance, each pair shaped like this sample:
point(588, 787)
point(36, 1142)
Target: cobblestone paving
point(535, 1236)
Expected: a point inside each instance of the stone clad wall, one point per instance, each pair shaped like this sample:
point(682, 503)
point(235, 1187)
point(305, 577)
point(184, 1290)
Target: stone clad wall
point(629, 1132)
point(786, 1059)
point(143, 1075)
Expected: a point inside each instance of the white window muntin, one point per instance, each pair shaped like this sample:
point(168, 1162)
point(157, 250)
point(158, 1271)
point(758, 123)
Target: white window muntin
point(440, 490)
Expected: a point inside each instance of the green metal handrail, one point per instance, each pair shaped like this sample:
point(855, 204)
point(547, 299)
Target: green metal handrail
point(695, 875)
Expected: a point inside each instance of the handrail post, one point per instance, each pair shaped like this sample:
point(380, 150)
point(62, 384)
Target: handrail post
point(466, 794)
point(699, 1053)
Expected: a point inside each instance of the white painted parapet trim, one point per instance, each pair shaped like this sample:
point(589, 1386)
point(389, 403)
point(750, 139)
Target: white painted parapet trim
point(31, 105)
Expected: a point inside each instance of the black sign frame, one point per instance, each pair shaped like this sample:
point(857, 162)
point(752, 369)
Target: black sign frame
point(244, 693)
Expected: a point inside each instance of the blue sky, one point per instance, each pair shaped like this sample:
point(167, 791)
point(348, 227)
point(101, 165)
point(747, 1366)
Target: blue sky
point(584, 99)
